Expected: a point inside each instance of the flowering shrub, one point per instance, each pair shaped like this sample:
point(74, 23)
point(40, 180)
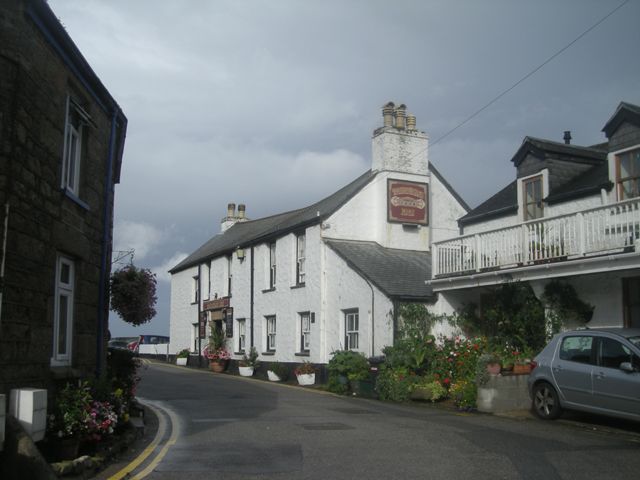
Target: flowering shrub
point(102, 420)
point(133, 294)
point(396, 384)
point(455, 359)
point(70, 416)
point(464, 394)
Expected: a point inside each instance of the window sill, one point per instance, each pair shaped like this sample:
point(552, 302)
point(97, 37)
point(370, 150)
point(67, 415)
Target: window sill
point(299, 285)
point(269, 354)
point(269, 290)
point(73, 197)
point(301, 354)
point(241, 352)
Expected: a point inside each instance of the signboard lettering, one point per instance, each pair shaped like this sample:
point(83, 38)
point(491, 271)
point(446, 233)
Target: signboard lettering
point(202, 325)
point(228, 320)
point(215, 304)
point(407, 202)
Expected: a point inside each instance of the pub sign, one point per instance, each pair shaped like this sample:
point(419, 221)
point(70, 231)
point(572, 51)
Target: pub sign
point(407, 202)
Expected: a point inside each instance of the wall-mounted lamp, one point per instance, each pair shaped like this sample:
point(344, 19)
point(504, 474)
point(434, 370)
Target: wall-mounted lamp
point(240, 253)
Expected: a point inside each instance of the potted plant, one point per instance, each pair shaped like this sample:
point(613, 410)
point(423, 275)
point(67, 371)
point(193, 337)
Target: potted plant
point(182, 357)
point(488, 364)
point(216, 352)
point(306, 373)
point(68, 423)
point(249, 363)
point(347, 368)
point(277, 372)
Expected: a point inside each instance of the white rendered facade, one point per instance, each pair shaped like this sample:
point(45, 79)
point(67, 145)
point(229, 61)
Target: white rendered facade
point(335, 296)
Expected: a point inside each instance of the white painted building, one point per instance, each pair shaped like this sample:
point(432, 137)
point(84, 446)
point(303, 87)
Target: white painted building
point(573, 213)
point(301, 284)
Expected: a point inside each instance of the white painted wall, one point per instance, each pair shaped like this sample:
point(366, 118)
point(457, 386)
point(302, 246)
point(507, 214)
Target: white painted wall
point(183, 312)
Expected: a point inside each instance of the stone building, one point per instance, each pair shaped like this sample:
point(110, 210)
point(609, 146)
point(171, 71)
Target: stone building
point(572, 214)
point(61, 141)
point(301, 284)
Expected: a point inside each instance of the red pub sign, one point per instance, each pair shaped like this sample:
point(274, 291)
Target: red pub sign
point(407, 202)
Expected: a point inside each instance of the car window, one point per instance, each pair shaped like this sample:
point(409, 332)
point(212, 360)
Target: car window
point(635, 341)
point(613, 353)
point(576, 349)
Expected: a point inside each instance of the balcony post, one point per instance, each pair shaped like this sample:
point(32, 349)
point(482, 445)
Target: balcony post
point(582, 241)
point(435, 260)
point(524, 245)
point(476, 252)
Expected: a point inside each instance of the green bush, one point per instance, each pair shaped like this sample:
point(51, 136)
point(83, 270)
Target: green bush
point(395, 384)
point(352, 365)
point(433, 389)
point(464, 394)
point(279, 369)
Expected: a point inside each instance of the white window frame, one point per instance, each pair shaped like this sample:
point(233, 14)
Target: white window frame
point(242, 334)
point(72, 151)
point(635, 178)
point(272, 265)
point(351, 329)
point(195, 298)
point(301, 248)
point(305, 331)
point(270, 329)
point(544, 174)
point(63, 326)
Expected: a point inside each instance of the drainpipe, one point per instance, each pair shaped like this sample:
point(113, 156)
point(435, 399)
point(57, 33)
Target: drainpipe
point(199, 319)
point(373, 317)
point(4, 254)
point(103, 302)
point(251, 295)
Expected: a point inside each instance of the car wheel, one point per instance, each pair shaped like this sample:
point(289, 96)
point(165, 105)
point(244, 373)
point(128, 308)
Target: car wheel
point(546, 403)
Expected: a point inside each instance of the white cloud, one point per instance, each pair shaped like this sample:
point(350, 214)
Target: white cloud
point(162, 271)
point(141, 237)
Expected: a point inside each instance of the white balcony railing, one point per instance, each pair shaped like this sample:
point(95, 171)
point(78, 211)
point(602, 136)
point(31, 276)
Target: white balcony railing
point(607, 229)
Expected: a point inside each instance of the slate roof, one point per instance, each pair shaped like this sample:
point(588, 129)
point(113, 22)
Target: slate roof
point(400, 274)
point(626, 112)
point(256, 231)
point(505, 202)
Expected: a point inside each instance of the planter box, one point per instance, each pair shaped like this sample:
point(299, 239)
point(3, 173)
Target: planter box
point(503, 394)
point(272, 376)
point(246, 371)
point(182, 361)
point(306, 379)
point(29, 406)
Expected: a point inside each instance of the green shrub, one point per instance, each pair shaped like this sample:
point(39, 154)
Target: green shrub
point(464, 394)
point(279, 369)
point(184, 353)
point(395, 384)
point(433, 389)
point(352, 365)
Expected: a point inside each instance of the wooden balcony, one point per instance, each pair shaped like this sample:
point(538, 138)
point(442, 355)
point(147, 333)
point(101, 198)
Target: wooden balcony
point(606, 230)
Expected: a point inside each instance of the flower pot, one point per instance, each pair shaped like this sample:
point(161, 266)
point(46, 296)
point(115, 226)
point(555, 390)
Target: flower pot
point(272, 376)
point(182, 361)
point(306, 378)
point(245, 371)
point(493, 368)
point(522, 369)
point(218, 366)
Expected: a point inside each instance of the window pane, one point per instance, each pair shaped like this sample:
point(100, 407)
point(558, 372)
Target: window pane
point(625, 165)
point(576, 349)
point(63, 310)
point(613, 353)
point(65, 273)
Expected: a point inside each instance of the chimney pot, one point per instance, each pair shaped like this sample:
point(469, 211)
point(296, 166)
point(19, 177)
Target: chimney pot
point(411, 123)
point(241, 211)
point(567, 137)
point(231, 210)
point(401, 113)
point(387, 114)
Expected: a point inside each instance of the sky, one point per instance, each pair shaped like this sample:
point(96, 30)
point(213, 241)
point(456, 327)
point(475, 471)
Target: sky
point(273, 103)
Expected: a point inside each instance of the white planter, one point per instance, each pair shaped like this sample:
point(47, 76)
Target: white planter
point(272, 376)
point(306, 378)
point(182, 361)
point(246, 371)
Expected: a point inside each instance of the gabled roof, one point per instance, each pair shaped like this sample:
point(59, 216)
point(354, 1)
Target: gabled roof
point(249, 233)
point(541, 148)
point(626, 112)
point(399, 274)
point(502, 203)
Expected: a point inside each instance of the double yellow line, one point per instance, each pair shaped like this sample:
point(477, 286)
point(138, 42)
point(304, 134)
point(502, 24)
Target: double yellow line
point(157, 440)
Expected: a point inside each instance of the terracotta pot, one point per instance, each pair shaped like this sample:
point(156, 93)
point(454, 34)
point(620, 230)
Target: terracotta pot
point(218, 366)
point(522, 369)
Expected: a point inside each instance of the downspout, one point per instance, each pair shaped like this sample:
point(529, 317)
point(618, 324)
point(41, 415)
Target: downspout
point(4, 255)
point(373, 316)
point(199, 319)
point(103, 303)
point(251, 295)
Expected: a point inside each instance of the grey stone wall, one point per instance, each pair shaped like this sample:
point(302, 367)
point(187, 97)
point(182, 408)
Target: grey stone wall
point(44, 221)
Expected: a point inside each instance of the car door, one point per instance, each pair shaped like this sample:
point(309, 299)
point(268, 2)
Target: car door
point(616, 390)
point(572, 369)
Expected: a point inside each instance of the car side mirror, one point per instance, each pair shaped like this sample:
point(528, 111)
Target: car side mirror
point(627, 367)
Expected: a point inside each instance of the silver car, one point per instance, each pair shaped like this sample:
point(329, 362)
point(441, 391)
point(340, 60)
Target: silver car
point(596, 371)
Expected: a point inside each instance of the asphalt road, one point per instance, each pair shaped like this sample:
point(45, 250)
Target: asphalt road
point(223, 427)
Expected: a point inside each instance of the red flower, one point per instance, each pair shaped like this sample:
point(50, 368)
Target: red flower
point(446, 381)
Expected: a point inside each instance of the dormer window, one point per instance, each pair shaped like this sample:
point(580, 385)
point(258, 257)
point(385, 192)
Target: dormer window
point(532, 201)
point(628, 174)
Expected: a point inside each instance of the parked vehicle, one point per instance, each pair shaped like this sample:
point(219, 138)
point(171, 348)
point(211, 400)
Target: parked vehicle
point(596, 371)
